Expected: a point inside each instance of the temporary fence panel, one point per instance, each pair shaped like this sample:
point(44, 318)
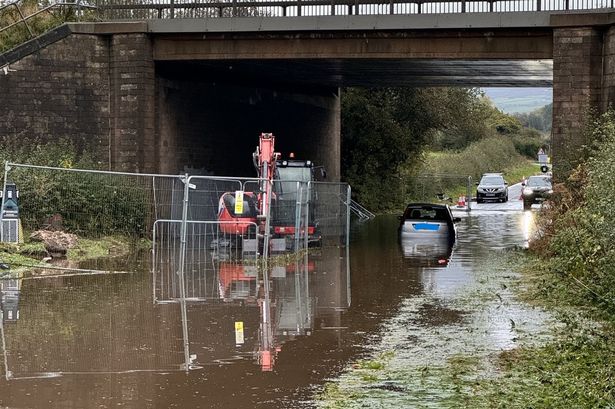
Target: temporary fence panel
point(330, 212)
point(93, 203)
point(290, 225)
point(217, 266)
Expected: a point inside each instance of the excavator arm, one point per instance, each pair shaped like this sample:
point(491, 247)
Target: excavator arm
point(264, 159)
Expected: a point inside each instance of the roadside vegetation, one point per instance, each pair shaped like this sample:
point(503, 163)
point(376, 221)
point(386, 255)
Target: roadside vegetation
point(107, 218)
point(571, 271)
point(400, 145)
point(568, 272)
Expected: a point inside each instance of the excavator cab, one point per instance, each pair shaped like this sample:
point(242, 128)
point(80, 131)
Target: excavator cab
point(292, 178)
point(243, 221)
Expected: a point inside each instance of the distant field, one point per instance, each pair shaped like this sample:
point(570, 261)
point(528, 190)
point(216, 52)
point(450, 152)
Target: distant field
point(511, 100)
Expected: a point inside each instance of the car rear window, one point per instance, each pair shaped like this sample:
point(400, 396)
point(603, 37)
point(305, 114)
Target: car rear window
point(426, 213)
point(539, 181)
point(492, 180)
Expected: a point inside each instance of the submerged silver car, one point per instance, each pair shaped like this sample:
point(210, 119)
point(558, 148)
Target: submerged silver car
point(428, 222)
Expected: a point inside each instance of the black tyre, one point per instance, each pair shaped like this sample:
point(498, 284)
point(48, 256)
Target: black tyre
point(527, 205)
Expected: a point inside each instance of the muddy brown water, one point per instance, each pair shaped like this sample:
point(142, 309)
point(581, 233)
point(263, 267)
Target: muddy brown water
point(101, 342)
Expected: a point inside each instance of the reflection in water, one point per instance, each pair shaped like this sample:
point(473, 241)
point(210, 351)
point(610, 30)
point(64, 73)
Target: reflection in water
point(473, 269)
point(465, 310)
point(9, 299)
point(107, 325)
point(110, 345)
point(528, 226)
point(426, 253)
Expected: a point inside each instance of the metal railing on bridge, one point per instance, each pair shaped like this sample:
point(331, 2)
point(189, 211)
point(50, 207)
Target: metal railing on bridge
point(156, 9)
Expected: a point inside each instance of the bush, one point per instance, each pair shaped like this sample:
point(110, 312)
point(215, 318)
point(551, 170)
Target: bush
point(579, 229)
point(492, 154)
point(38, 24)
point(445, 171)
point(527, 146)
point(90, 204)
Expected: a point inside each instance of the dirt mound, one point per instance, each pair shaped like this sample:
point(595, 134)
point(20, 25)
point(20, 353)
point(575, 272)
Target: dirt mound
point(56, 243)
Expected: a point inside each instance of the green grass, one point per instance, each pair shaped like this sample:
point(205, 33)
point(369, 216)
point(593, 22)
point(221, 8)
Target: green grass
point(517, 173)
point(575, 370)
point(513, 174)
point(87, 249)
point(22, 257)
point(11, 255)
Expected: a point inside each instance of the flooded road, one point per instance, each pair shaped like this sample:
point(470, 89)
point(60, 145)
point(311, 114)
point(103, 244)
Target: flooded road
point(101, 341)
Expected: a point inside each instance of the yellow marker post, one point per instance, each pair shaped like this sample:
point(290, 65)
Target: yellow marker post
point(239, 339)
point(238, 201)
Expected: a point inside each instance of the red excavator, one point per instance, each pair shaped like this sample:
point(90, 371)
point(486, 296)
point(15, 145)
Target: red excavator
point(250, 208)
point(253, 207)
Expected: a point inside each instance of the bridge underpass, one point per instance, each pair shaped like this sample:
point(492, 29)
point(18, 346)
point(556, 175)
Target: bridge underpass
point(292, 88)
point(212, 124)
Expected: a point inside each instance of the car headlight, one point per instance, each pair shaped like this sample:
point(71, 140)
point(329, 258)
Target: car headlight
point(527, 192)
point(550, 191)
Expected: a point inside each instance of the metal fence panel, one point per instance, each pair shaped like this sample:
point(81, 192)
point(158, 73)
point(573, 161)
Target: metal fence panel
point(198, 257)
point(93, 203)
point(330, 211)
point(217, 265)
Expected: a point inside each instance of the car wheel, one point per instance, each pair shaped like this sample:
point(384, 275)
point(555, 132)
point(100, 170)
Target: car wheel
point(479, 200)
point(527, 205)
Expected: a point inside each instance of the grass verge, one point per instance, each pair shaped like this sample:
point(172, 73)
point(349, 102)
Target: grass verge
point(24, 256)
point(575, 370)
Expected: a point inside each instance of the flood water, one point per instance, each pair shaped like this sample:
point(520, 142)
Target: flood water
point(102, 342)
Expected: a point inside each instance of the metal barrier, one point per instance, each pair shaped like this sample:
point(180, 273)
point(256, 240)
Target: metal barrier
point(13, 16)
point(218, 265)
point(156, 9)
point(94, 203)
point(137, 9)
point(23, 19)
point(182, 213)
point(361, 212)
point(331, 211)
point(197, 257)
